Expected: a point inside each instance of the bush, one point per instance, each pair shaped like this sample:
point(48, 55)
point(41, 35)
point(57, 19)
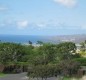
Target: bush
point(68, 68)
point(82, 61)
point(42, 71)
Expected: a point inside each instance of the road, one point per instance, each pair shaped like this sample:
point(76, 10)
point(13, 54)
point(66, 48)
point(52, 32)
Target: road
point(21, 76)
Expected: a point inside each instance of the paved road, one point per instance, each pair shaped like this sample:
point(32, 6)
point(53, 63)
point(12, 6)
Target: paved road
point(21, 76)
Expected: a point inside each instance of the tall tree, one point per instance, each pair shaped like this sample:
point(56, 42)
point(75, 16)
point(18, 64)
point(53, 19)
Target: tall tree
point(65, 50)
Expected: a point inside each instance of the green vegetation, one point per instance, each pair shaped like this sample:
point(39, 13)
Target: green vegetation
point(82, 61)
point(83, 49)
point(68, 78)
point(2, 74)
point(46, 60)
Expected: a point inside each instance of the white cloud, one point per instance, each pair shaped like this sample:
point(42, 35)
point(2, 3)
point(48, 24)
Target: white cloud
point(22, 24)
point(6, 22)
point(68, 3)
point(59, 25)
point(41, 25)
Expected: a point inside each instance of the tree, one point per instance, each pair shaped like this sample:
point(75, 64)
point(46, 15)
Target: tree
point(12, 52)
point(40, 42)
point(65, 50)
point(69, 67)
point(30, 42)
point(45, 54)
point(83, 49)
point(42, 71)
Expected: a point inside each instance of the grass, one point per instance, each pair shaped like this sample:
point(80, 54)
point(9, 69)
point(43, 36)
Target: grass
point(68, 78)
point(2, 74)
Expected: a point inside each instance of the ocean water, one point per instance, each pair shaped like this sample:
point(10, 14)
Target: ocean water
point(23, 38)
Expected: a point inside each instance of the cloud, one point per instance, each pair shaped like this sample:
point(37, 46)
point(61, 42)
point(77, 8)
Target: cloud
point(46, 25)
point(6, 22)
point(41, 25)
point(67, 3)
point(22, 24)
point(56, 25)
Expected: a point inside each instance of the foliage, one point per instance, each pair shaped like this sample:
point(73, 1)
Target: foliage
point(82, 53)
point(82, 61)
point(65, 50)
point(10, 52)
point(39, 42)
point(69, 67)
point(83, 46)
point(44, 54)
point(30, 42)
point(42, 71)
point(46, 60)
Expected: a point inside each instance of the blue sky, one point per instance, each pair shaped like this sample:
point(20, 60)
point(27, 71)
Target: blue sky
point(42, 17)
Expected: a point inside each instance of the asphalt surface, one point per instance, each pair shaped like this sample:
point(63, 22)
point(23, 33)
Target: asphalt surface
point(21, 76)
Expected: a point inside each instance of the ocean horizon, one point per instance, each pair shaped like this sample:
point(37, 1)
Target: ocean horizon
point(23, 39)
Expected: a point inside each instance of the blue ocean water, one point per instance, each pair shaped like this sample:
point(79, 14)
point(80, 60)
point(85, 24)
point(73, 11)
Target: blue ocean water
point(22, 38)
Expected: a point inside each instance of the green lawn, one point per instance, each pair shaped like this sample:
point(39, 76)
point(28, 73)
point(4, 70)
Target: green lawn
point(2, 74)
point(66, 78)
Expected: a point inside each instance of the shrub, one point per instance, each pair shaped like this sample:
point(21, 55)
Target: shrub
point(82, 61)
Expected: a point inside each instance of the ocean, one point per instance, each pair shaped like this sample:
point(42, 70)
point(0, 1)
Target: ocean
point(23, 38)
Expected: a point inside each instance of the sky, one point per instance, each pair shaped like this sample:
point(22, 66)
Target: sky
point(42, 17)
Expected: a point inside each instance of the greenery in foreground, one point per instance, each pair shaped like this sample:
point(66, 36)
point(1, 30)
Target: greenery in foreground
point(2, 74)
point(46, 60)
point(68, 78)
